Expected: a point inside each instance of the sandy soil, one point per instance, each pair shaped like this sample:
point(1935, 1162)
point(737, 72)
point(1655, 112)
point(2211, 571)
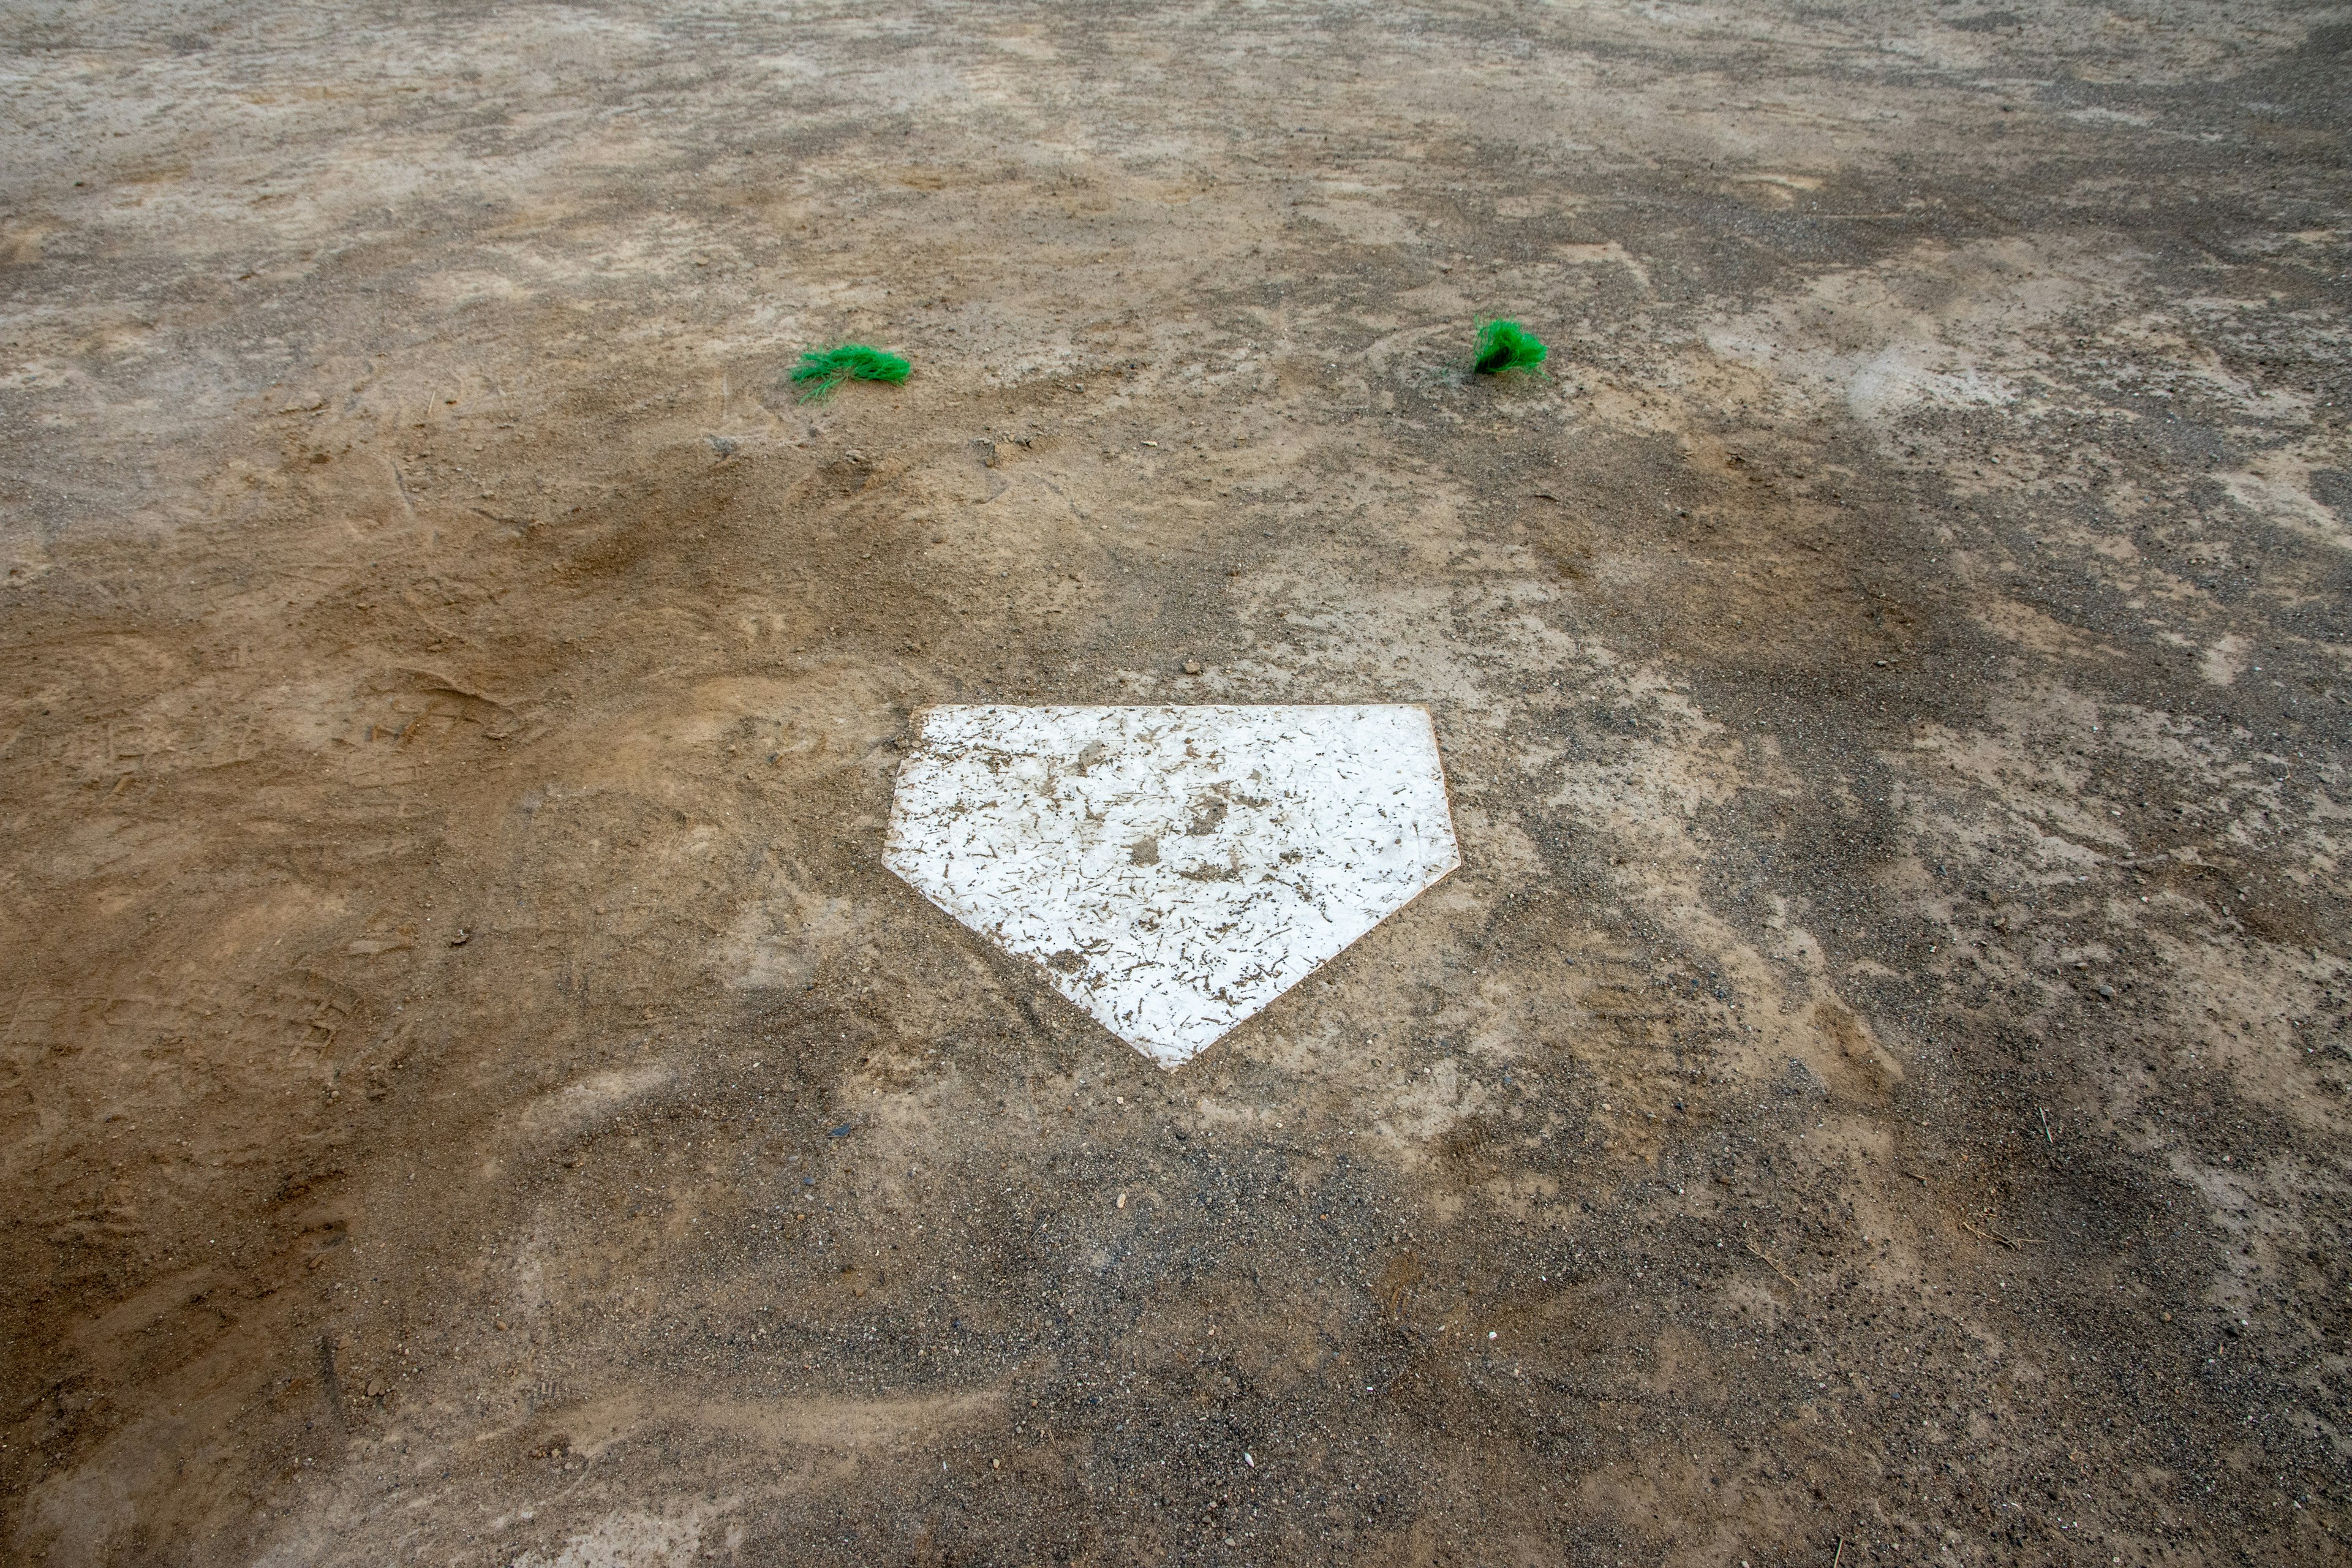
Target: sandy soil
point(1875, 1092)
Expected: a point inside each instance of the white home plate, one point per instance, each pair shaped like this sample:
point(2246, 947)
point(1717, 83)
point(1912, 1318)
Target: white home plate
point(1174, 869)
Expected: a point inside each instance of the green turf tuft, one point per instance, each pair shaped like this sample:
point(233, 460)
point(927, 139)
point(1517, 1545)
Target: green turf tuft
point(824, 369)
point(1506, 345)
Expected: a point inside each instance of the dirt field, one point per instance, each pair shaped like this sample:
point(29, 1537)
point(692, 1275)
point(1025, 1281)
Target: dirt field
point(1875, 1092)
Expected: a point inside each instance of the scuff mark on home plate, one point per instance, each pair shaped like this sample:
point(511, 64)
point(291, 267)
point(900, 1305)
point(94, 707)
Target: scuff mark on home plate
point(1174, 869)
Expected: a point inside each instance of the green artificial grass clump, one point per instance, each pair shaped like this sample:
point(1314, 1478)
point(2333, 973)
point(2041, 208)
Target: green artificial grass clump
point(824, 369)
point(1506, 345)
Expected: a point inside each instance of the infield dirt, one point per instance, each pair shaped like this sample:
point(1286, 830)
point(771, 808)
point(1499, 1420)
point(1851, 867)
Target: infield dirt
point(1875, 1092)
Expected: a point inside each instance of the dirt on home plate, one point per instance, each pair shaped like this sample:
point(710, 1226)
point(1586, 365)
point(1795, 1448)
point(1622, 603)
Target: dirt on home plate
point(1874, 1092)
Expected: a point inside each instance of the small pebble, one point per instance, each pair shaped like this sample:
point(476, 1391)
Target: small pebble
point(1192, 667)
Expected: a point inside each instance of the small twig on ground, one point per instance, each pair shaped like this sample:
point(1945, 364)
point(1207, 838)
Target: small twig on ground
point(1840, 1554)
point(2047, 1136)
point(1990, 1235)
point(1775, 1267)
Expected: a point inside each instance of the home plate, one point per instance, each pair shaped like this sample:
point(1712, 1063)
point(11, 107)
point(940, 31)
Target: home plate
point(1174, 869)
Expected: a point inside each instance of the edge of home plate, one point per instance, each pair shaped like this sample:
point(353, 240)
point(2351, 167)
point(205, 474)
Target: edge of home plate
point(1174, 869)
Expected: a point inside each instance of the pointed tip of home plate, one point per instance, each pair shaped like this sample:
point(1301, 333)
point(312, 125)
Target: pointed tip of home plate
point(1173, 870)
